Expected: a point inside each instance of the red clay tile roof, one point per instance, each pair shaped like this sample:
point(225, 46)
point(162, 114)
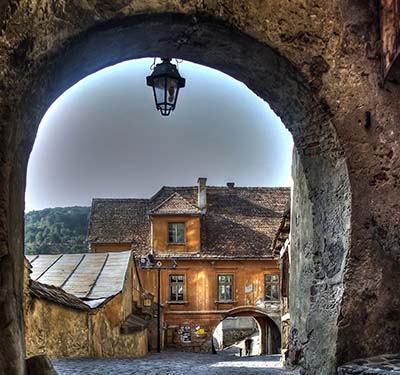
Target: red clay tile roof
point(120, 221)
point(239, 221)
point(242, 221)
point(175, 205)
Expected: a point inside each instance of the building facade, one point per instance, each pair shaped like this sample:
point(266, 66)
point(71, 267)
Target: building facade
point(213, 246)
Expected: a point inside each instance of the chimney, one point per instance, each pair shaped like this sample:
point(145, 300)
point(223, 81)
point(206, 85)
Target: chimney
point(230, 185)
point(202, 193)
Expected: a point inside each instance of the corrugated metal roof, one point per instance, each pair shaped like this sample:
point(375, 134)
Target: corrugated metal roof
point(92, 277)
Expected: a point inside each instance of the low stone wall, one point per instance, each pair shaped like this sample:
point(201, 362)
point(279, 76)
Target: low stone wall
point(59, 331)
point(231, 336)
point(56, 330)
point(107, 340)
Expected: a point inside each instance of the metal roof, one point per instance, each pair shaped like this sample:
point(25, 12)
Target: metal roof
point(92, 277)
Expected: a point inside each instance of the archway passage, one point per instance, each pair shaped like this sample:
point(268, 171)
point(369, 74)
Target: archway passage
point(74, 41)
point(261, 337)
point(213, 43)
point(239, 336)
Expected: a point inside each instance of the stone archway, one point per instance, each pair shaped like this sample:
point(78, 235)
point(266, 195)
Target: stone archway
point(268, 324)
point(268, 74)
point(317, 66)
point(230, 334)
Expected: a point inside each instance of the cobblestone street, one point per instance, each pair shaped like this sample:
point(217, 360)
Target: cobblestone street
point(174, 363)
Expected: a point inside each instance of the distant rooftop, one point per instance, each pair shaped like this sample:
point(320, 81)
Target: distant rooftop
point(93, 278)
point(175, 204)
point(239, 222)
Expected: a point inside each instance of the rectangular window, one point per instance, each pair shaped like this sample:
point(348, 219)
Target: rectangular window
point(176, 232)
point(271, 288)
point(225, 288)
point(177, 287)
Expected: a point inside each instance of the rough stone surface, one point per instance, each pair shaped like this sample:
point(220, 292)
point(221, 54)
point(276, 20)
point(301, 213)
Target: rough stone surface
point(388, 364)
point(317, 63)
point(316, 275)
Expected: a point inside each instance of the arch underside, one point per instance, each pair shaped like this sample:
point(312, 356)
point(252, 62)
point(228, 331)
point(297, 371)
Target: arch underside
point(193, 38)
point(246, 311)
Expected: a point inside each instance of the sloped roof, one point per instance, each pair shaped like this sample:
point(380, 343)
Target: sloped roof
point(175, 204)
point(242, 222)
point(93, 277)
point(120, 221)
point(239, 221)
point(56, 295)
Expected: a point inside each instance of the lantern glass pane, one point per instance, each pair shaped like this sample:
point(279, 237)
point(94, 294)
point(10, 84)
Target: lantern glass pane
point(172, 90)
point(159, 90)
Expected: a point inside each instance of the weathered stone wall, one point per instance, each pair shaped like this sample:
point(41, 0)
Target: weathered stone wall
point(317, 63)
point(45, 334)
point(81, 334)
point(178, 336)
point(231, 336)
point(107, 341)
point(316, 274)
point(239, 322)
point(106, 338)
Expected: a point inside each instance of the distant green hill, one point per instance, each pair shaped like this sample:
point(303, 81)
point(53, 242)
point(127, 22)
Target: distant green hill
point(56, 230)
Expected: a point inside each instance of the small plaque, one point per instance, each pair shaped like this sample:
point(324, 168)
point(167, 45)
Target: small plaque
point(186, 334)
point(248, 288)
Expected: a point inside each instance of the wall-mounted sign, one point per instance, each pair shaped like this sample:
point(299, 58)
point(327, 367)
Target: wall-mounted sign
point(186, 334)
point(201, 331)
point(248, 288)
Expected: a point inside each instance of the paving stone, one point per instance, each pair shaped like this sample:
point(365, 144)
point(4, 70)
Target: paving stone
point(174, 363)
point(388, 364)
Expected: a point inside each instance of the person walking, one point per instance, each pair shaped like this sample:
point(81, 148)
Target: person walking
point(247, 344)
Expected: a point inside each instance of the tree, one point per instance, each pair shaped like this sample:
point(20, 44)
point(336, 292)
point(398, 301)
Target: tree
point(56, 230)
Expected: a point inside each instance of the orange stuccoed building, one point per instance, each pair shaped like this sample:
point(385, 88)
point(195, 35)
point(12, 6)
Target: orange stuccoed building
point(214, 248)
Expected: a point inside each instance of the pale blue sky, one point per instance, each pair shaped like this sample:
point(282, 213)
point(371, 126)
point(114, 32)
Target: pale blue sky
point(104, 138)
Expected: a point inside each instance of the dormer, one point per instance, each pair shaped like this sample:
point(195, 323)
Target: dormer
point(175, 225)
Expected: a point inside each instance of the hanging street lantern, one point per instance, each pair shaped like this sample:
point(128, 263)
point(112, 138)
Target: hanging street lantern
point(166, 82)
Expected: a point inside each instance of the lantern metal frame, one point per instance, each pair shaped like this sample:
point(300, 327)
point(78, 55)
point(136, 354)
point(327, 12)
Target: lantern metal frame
point(167, 72)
